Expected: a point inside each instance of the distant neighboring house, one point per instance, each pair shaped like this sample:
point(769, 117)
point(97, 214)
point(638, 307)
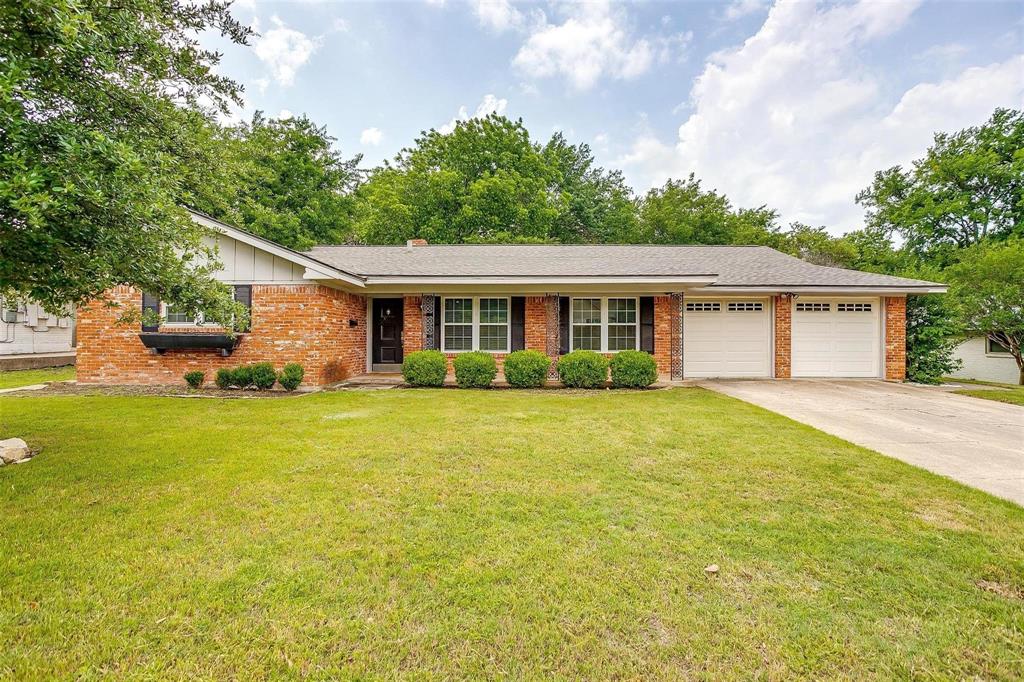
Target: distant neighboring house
point(701, 311)
point(38, 337)
point(986, 360)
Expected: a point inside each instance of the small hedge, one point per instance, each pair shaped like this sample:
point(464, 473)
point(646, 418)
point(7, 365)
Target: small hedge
point(260, 375)
point(263, 376)
point(225, 377)
point(425, 368)
point(633, 369)
point(475, 370)
point(195, 378)
point(583, 369)
point(291, 376)
point(526, 369)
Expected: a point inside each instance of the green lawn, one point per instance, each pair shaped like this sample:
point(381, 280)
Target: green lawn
point(437, 534)
point(1012, 394)
point(27, 377)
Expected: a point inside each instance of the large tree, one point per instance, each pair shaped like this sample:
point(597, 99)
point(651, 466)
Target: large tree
point(284, 180)
point(968, 187)
point(100, 104)
point(487, 181)
point(988, 292)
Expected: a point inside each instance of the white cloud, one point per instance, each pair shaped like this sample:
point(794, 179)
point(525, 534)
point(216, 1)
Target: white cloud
point(284, 115)
point(592, 42)
point(261, 84)
point(741, 8)
point(497, 15)
point(371, 137)
point(284, 50)
point(795, 119)
point(488, 105)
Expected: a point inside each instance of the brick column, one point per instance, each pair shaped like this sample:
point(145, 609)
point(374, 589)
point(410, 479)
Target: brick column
point(676, 334)
point(412, 325)
point(663, 335)
point(783, 306)
point(536, 322)
point(551, 337)
point(895, 338)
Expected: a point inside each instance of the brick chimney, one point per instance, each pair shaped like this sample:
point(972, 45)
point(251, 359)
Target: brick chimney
point(416, 242)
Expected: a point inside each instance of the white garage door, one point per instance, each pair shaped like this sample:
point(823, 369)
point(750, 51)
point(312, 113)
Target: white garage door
point(836, 337)
point(723, 338)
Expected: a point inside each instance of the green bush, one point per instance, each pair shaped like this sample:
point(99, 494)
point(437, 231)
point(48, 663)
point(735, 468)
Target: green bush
point(425, 368)
point(633, 369)
point(263, 375)
point(195, 378)
point(291, 376)
point(241, 377)
point(475, 370)
point(526, 368)
point(225, 377)
point(583, 369)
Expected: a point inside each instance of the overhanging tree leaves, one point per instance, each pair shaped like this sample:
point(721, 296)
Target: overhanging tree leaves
point(988, 289)
point(99, 108)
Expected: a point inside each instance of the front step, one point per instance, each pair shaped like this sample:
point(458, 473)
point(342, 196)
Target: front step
point(381, 367)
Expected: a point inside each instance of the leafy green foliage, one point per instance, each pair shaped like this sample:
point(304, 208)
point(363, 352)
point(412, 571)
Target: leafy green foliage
point(488, 182)
point(283, 180)
point(224, 377)
point(425, 368)
point(968, 187)
point(291, 376)
point(526, 368)
point(931, 338)
point(583, 369)
point(475, 370)
point(99, 121)
point(988, 289)
point(263, 375)
point(195, 378)
point(633, 369)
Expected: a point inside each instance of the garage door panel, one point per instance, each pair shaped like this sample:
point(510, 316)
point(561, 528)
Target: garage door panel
point(727, 343)
point(836, 338)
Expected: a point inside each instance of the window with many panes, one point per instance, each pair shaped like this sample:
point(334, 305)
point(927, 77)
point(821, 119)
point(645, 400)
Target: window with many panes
point(475, 324)
point(604, 324)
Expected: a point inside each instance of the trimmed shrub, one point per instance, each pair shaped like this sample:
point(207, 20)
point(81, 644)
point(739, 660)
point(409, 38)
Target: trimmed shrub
point(195, 378)
point(425, 368)
point(526, 368)
point(583, 369)
point(633, 369)
point(263, 375)
point(225, 377)
point(475, 370)
point(241, 376)
point(291, 376)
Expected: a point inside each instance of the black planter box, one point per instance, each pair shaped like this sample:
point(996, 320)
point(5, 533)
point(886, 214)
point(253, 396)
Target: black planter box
point(161, 342)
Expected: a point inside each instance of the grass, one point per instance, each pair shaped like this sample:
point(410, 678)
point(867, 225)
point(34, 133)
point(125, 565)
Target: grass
point(441, 534)
point(26, 377)
point(1004, 393)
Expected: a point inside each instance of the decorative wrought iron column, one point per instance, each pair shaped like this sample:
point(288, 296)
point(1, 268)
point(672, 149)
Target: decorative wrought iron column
point(677, 335)
point(427, 316)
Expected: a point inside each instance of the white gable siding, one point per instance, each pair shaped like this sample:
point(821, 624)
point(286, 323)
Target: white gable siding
point(243, 263)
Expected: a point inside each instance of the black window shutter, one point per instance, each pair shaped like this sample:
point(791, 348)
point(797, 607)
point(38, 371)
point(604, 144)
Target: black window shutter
point(150, 302)
point(243, 295)
point(437, 323)
point(563, 325)
point(518, 316)
point(647, 324)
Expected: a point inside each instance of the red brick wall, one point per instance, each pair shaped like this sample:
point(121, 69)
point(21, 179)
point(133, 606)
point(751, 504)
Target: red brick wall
point(895, 338)
point(305, 323)
point(536, 323)
point(412, 325)
point(783, 306)
point(663, 334)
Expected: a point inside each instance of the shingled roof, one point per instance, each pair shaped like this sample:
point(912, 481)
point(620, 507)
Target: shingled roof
point(731, 266)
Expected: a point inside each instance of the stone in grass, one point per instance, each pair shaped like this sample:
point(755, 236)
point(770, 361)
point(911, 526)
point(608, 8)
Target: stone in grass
point(711, 570)
point(13, 450)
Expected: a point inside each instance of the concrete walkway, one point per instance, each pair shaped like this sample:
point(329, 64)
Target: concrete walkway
point(974, 441)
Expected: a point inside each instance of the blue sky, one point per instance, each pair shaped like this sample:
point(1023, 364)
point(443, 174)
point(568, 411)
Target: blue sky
point(789, 104)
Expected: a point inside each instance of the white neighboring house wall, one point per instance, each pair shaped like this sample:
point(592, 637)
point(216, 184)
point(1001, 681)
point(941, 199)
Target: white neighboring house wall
point(26, 328)
point(982, 365)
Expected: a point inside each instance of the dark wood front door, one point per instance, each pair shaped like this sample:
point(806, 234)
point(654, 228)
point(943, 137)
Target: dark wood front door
point(387, 331)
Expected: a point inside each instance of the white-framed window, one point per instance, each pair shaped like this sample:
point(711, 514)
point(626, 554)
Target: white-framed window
point(475, 323)
point(703, 307)
point(174, 317)
point(853, 307)
point(746, 307)
point(813, 307)
point(995, 348)
point(604, 324)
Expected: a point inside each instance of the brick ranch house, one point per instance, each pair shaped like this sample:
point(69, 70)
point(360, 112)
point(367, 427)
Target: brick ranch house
point(702, 311)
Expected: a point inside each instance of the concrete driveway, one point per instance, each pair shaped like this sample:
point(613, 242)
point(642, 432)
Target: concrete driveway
point(974, 441)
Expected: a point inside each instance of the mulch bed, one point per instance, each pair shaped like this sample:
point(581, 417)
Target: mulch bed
point(67, 388)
